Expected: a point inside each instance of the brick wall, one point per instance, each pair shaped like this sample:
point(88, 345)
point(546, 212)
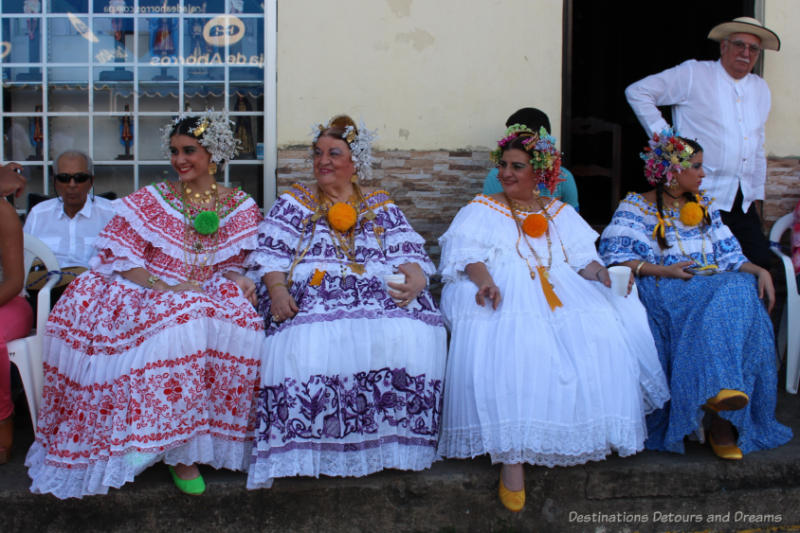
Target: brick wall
point(783, 188)
point(430, 186)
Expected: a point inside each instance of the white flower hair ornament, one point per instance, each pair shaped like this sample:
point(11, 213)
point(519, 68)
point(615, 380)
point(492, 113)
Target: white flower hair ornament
point(360, 143)
point(213, 130)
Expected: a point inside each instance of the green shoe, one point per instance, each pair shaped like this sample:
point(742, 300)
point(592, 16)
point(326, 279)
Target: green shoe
point(192, 487)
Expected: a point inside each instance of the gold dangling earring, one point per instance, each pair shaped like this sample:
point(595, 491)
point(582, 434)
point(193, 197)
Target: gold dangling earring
point(212, 168)
point(674, 186)
point(354, 178)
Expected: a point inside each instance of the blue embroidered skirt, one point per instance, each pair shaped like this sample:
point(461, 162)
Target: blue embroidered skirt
point(713, 333)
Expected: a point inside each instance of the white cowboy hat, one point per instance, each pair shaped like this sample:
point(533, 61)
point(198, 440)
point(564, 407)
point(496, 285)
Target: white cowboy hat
point(769, 39)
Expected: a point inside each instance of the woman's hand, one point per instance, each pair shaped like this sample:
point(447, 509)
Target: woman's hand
point(246, 285)
point(186, 286)
point(415, 283)
point(480, 276)
point(282, 305)
point(594, 271)
point(490, 292)
point(766, 289)
point(678, 270)
point(11, 181)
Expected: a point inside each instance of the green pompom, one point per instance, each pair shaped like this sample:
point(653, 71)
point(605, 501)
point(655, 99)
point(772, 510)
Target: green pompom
point(206, 222)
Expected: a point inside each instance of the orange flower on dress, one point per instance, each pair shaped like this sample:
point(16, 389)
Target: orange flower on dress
point(342, 216)
point(534, 225)
point(691, 214)
point(317, 278)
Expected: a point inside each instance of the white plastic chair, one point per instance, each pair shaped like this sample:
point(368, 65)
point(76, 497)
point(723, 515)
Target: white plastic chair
point(26, 353)
point(789, 331)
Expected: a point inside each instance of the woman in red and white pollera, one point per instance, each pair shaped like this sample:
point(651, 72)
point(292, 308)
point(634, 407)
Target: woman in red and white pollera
point(152, 354)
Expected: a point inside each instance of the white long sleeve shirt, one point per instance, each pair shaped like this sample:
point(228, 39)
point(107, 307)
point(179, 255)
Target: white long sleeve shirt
point(725, 115)
point(70, 239)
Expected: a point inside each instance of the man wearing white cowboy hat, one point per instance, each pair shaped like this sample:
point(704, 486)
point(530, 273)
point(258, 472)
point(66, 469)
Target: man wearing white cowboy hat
point(723, 106)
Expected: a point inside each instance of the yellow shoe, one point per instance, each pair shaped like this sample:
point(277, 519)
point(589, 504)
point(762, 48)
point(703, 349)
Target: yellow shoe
point(514, 501)
point(728, 400)
point(725, 451)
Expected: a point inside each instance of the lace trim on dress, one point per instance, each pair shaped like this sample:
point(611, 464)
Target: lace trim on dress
point(146, 212)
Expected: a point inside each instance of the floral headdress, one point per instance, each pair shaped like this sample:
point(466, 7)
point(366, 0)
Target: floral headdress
point(665, 156)
point(213, 130)
point(359, 140)
point(545, 158)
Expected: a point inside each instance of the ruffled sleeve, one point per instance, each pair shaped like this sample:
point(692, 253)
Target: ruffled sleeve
point(148, 232)
point(575, 233)
point(626, 238)
point(121, 245)
point(401, 243)
point(279, 234)
point(471, 238)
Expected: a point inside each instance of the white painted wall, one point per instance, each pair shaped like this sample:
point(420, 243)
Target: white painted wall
point(782, 75)
point(428, 74)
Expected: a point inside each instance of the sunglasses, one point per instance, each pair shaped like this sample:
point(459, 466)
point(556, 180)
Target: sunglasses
point(80, 177)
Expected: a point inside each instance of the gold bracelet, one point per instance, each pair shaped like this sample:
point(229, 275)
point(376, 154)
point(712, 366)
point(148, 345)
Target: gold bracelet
point(279, 284)
point(638, 270)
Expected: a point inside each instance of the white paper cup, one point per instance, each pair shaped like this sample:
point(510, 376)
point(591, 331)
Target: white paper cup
point(394, 278)
point(620, 276)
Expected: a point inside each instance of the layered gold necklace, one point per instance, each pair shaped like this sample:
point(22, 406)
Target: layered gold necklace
point(199, 247)
point(541, 268)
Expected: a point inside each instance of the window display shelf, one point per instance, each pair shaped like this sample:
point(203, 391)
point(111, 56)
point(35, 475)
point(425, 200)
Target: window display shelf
point(103, 76)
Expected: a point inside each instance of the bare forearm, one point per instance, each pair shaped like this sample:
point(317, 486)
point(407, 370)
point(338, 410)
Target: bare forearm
point(479, 274)
point(143, 277)
point(750, 268)
point(275, 281)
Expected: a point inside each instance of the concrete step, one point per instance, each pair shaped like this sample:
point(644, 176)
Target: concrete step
point(648, 492)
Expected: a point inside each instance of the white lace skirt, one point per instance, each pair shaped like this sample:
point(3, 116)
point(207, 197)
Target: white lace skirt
point(529, 385)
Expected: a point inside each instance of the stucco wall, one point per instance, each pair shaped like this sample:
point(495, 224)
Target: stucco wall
point(428, 75)
point(783, 127)
point(783, 77)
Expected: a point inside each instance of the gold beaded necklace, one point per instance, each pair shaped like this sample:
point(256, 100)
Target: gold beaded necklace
point(206, 195)
point(197, 255)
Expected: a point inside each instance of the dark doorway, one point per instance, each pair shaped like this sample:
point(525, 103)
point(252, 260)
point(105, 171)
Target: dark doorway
point(607, 46)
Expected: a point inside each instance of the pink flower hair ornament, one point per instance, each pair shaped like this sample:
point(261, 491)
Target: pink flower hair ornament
point(545, 157)
point(665, 156)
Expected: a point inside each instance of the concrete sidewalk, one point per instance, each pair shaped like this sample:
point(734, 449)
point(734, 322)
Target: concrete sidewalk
point(648, 492)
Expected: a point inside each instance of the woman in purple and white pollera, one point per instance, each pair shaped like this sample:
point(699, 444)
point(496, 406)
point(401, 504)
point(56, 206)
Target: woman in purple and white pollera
point(351, 377)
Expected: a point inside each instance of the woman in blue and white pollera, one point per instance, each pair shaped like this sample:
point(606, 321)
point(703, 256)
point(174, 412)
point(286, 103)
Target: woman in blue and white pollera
point(714, 337)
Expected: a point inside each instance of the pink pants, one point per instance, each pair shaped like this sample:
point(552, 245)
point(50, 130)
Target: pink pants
point(16, 319)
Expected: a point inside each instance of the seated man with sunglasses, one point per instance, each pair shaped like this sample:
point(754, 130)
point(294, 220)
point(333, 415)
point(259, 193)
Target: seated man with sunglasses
point(70, 223)
point(724, 107)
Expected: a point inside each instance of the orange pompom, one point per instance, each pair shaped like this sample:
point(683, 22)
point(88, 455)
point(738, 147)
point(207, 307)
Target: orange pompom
point(317, 278)
point(691, 214)
point(534, 225)
point(342, 216)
